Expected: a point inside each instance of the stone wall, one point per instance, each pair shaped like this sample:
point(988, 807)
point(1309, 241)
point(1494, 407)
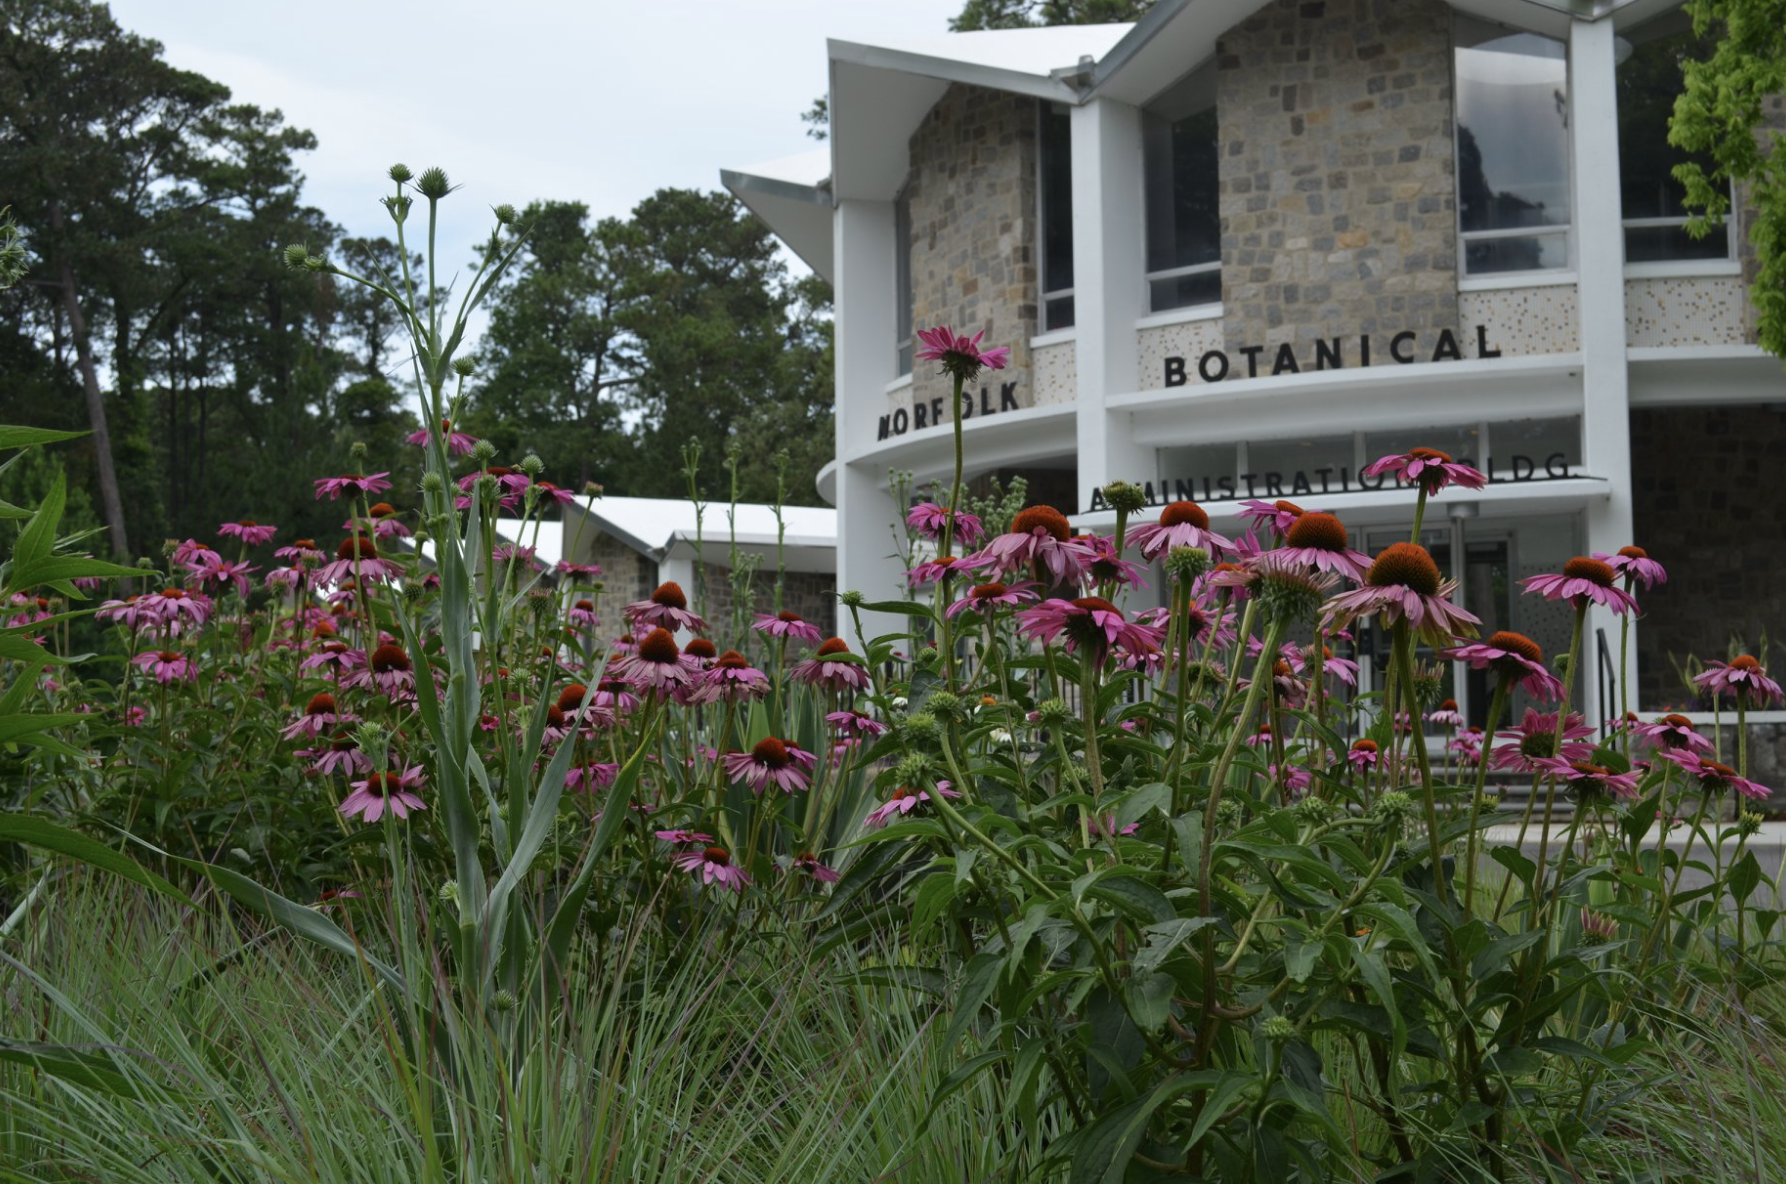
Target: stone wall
point(627, 577)
point(1338, 193)
point(1709, 483)
point(973, 204)
point(811, 594)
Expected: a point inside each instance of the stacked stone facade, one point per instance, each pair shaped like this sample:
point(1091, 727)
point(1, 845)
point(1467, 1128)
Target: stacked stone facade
point(1338, 193)
point(813, 595)
point(1711, 484)
point(972, 194)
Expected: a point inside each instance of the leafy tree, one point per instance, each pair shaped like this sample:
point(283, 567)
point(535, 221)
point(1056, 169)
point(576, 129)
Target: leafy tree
point(1732, 110)
point(1024, 14)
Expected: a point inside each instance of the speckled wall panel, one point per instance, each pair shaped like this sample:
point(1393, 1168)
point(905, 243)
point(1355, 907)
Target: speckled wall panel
point(1056, 370)
point(1690, 310)
point(1189, 340)
point(1524, 321)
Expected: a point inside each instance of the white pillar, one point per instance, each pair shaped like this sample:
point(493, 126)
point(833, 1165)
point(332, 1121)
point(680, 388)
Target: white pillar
point(866, 360)
point(1108, 275)
point(1600, 266)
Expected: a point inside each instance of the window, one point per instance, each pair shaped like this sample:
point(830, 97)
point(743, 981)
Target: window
point(1649, 78)
point(1184, 217)
point(1512, 150)
point(902, 281)
point(1056, 186)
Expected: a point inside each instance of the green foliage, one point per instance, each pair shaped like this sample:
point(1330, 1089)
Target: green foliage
point(1023, 14)
point(1732, 111)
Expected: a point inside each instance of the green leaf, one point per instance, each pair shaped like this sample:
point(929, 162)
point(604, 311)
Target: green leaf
point(1119, 887)
point(934, 896)
point(1165, 937)
point(16, 647)
point(1516, 862)
point(17, 437)
point(904, 608)
point(38, 832)
point(1376, 976)
point(38, 536)
point(89, 1070)
point(976, 987)
point(1744, 877)
point(1300, 956)
point(1150, 1000)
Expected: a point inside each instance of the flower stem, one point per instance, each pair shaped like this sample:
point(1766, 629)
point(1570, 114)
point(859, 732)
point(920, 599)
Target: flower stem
point(1495, 706)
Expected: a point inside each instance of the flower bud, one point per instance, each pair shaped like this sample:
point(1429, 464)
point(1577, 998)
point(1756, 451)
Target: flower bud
point(371, 739)
point(433, 482)
point(532, 465)
point(398, 207)
point(505, 214)
point(1186, 563)
point(1125, 497)
point(504, 1000)
point(489, 491)
point(433, 184)
point(295, 255)
point(852, 599)
point(592, 489)
point(1278, 1029)
point(920, 726)
point(1054, 712)
point(1392, 809)
point(465, 367)
point(483, 452)
point(541, 603)
point(946, 705)
point(913, 769)
point(358, 450)
point(400, 173)
point(1313, 811)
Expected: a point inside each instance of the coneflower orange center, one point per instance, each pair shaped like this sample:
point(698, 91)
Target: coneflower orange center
point(989, 591)
point(1448, 705)
point(1517, 643)
point(306, 544)
point(381, 509)
point(388, 657)
point(732, 660)
point(770, 752)
point(323, 704)
point(1184, 514)
point(659, 647)
point(669, 594)
point(1364, 746)
point(833, 645)
point(359, 546)
point(700, 647)
point(1321, 531)
point(173, 594)
point(1744, 662)
point(554, 716)
point(168, 656)
point(586, 605)
point(1284, 507)
point(1045, 518)
point(247, 522)
point(1633, 553)
point(571, 697)
point(789, 618)
point(902, 793)
point(1677, 721)
point(1096, 604)
point(718, 855)
point(1430, 454)
point(1593, 570)
point(1724, 771)
point(1406, 564)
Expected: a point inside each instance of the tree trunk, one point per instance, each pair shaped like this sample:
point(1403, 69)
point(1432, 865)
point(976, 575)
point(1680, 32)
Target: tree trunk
point(109, 497)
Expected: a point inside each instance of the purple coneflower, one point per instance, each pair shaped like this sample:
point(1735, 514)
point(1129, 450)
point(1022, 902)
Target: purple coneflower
point(175, 609)
point(1277, 517)
point(1446, 715)
point(1292, 779)
point(1428, 468)
point(590, 776)
point(832, 666)
point(457, 443)
point(1582, 579)
point(582, 571)
point(335, 657)
point(1109, 567)
point(984, 598)
point(1589, 781)
point(1403, 583)
point(1089, 621)
point(301, 551)
point(1039, 537)
point(249, 531)
point(714, 866)
point(1181, 524)
point(903, 802)
point(732, 679)
point(582, 615)
point(320, 715)
point(657, 666)
point(381, 791)
point(388, 669)
point(130, 612)
point(768, 763)
point(854, 723)
point(1713, 777)
point(545, 491)
point(1319, 541)
point(683, 838)
point(1363, 755)
point(700, 654)
point(960, 355)
point(1742, 675)
point(666, 608)
point(809, 863)
point(784, 625)
point(937, 570)
point(353, 485)
point(343, 753)
point(356, 556)
point(1511, 655)
point(1672, 731)
point(1534, 741)
point(1636, 566)
point(166, 666)
point(928, 519)
point(382, 518)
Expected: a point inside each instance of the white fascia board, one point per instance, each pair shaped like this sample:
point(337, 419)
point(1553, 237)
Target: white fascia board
point(799, 214)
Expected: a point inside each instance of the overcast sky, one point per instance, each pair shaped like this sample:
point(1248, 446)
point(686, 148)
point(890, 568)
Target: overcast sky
point(598, 102)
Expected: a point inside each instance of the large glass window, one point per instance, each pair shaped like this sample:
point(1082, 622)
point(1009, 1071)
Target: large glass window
point(902, 281)
point(1512, 149)
point(1649, 79)
point(1056, 185)
point(1184, 217)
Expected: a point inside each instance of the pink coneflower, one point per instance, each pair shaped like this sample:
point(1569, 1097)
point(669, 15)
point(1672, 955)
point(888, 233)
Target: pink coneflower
point(1277, 517)
point(581, 571)
point(1201, 619)
point(1672, 731)
point(356, 556)
point(1292, 779)
point(457, 443)
point(301, 551)
point(683, 838)
point(1511, 655)
point(383, 520)
point(1713, 777)
point(1089, 621)
point(1104, 827)
point(938, 569)
point(613, 699)
point(700, 654)
point(130, 612)
point(320, 715)
point(903, 802)
point(335, 657)
point(1446, 715)
point(1404, 584)
point(732, 679)
point(1427, 467)
point(984, 598)
point(352, 485)
point(657, 666)
point(1181, 524)
point(832, 666)
point(960, 355)
point(175, 609)
point(1635, 566)
point(714, 866)
point(1363, 755)
point(224, 572)
point(928, 519)
point(582, 615)
point(514, 553)
point(1742, 675)
point(545, 491)
point(387, 668)
point(556, 729)
point(1039, 538)
point(512, 481)
point(784, 625)
point(249, 531)
point(166, 666)
point(854, 723)
point(590, 776)
point(343, 753)
point(809, 863)
point(1467, 745)
point(381, 791)
point(1109, 567)
point(1344, 669)
point(1235, 578)
point(1319, 541)
point(1582, 579)
point(1534, 741)
point(134, 717)
point(668, 608)
point(1589, 781)
point(769, 763)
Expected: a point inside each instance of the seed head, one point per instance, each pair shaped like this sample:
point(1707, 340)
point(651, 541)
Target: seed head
point(532, 465)
point(1186, 563)
point(1054, 712)
point(1125, 497)
point(921, 727)
point(946, 705)
point(1278, 1029)
point(913, 768)
point(400, 173)
point(483, 452)
point(433, 184)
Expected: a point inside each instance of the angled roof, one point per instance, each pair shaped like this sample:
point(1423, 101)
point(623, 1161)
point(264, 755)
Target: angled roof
point(665, 528)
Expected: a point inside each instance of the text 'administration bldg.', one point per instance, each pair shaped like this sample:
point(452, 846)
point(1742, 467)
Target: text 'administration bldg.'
point(1241, 249)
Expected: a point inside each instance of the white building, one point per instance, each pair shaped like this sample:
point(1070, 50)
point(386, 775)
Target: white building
point(1243, 248)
